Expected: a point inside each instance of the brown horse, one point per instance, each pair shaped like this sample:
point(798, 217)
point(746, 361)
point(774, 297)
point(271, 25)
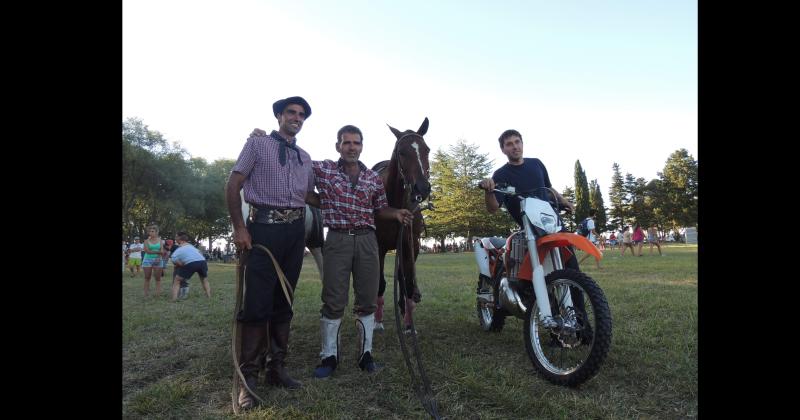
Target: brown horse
point(405, 178)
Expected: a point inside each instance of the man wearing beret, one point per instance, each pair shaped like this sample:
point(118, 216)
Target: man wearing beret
point(277, 176)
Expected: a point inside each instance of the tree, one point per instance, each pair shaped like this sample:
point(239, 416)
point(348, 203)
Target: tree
point(616, 196)
point(596, 201)
point(163, 184)
point(459, 207)
point(680, 189)
point(142, 175)
point(655, 198)
point(569, 218)
point(581, 193)
point(634, 202)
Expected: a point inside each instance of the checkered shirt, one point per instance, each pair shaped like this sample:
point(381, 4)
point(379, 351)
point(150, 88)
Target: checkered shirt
point(268, 183)
point(345, 207)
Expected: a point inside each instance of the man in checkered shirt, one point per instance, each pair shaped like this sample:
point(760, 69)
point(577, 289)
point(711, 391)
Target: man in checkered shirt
point(276, 177)
point(351, 196)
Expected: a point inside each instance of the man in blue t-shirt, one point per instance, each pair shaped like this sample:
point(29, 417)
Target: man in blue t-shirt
point(524, 174)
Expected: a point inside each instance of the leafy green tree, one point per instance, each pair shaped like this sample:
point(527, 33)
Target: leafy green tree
point(680, 185)
point(142, 175)
point(655, 198)
point(459, 207)
point(162, 184)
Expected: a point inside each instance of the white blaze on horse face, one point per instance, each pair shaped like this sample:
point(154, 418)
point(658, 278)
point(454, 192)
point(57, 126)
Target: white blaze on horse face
point(419, 159)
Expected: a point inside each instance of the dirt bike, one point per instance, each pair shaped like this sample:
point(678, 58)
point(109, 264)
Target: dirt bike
point(567, 319)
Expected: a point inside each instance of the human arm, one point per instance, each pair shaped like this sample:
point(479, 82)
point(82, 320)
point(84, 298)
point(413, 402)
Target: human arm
point(488, 186)
point(564, 202)
point(241, 237)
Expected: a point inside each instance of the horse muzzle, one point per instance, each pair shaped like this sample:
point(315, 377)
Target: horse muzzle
point(421, 191)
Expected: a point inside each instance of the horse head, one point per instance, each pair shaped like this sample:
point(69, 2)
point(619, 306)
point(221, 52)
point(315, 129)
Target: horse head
point(411, 155)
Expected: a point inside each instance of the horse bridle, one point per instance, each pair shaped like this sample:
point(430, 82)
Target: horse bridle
point(407, 185)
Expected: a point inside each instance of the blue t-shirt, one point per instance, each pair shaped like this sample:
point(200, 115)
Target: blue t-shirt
point(186, 254)
point(531, 174)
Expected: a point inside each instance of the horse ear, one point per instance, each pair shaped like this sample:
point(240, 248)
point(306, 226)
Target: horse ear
point(423, 128)
point(394, 130)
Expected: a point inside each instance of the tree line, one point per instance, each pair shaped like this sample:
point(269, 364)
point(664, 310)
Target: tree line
point(162, 183)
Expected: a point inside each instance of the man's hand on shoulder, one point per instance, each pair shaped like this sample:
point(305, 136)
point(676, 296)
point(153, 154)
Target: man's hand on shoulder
point(257, 132)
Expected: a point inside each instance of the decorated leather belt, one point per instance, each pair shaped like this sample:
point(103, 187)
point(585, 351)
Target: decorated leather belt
point(277, 216)
point(353, 232)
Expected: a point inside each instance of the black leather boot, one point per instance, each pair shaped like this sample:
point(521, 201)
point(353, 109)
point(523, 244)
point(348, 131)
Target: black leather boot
point(254, 337)
point(276, 365)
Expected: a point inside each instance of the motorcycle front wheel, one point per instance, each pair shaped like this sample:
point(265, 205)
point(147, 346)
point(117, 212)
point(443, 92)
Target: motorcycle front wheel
point(572, 353)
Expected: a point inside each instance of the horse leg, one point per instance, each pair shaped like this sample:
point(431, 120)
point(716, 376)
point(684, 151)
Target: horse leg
point(381, 291)
point(317, 254)
point(411, 294)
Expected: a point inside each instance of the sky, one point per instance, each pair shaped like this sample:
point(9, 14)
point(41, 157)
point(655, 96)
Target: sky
point(595, 81)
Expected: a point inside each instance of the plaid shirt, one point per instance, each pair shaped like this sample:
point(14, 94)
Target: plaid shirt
point(267, 182)
point(345, 206)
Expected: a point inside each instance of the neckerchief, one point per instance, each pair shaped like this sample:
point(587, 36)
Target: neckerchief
point(283, 145)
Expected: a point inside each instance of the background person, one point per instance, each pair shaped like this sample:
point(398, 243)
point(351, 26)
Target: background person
point(188, 260)
point(135, 255)
point(627, 242)
point(591, 236)
point(638, 237)
point(652, 238)
point(151, 263)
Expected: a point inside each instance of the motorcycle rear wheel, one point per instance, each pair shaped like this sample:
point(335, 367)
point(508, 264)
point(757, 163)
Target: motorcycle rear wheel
point(490, 319)
point(570, 355)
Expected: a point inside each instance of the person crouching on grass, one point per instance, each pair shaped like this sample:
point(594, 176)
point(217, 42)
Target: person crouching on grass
point(188, 260)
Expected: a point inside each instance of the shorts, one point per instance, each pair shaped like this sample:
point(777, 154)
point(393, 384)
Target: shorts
point(651, 238)
point(134, 262)
point(612, 241)
point(186, 271)
point(637, 242)
point(151, 263)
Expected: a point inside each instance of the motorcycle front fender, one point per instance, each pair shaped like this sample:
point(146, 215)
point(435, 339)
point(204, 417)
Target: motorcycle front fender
point(556, 240)
point(546, 243)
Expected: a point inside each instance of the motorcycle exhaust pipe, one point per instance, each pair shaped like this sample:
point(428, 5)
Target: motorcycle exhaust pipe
point(510, 300)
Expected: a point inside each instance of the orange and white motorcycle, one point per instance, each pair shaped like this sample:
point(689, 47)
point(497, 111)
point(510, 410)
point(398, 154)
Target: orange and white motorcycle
point(567, 319)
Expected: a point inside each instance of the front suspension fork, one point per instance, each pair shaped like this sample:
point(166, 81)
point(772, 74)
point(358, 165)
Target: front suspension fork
point(539, 284)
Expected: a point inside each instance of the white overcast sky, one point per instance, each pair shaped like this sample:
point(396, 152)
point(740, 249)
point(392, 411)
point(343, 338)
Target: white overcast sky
point(599, 81)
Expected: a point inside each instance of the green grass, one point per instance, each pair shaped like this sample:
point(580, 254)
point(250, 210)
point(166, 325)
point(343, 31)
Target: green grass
point(177, 361)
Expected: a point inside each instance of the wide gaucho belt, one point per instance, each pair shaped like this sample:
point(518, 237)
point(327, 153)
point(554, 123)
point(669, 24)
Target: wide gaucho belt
point(275, 216)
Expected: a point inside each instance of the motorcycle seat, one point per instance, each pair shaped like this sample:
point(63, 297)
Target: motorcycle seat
point(496, 242)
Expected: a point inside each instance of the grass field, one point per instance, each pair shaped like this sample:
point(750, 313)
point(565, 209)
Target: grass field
point(177, 362)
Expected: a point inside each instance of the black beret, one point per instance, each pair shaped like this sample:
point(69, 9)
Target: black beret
point(280, 105)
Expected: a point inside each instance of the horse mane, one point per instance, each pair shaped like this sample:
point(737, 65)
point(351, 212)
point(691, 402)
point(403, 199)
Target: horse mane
point(387, 170)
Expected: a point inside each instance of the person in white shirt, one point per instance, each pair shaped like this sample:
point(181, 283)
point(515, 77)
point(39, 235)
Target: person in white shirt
point(592, 235)
point(135, 255)
point(188, 260)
